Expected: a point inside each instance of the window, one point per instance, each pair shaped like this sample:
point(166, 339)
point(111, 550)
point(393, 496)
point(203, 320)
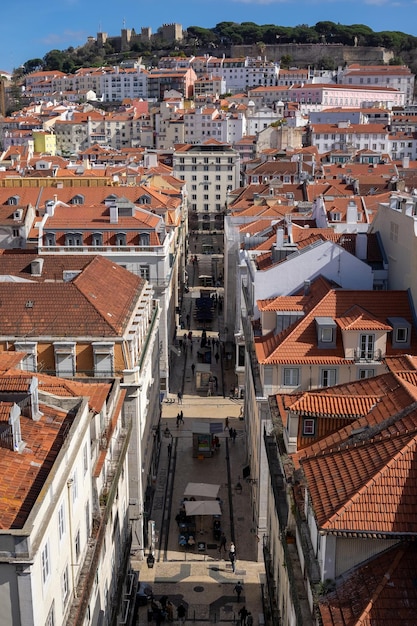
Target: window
point(74, 486)
point(87, 520)
point(50, 620)
point(73, 239)
point(77, 545)
point(64, 358)
point(367, 346)
point(85, 459)
point(50, 239)
point(65, 585)
point(328, 377)
point(401, 335)
point(144, 239)
point(29, 361)
point(291, 377)
point(326, 335)
point(308, 426)
point(103, 358)
point(120, 239)
point(46, 565)
point(97, 239)
point(61, 520)
point(366, 373)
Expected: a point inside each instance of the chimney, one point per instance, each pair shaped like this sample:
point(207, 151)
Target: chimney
point(352, 212)
point(114, 214)
point(36, 414)
point(361, 246)
point(307, 285)
point(14, 421)
point(280, 238)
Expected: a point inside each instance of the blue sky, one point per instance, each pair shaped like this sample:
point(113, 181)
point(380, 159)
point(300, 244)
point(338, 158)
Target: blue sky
point(29, 29)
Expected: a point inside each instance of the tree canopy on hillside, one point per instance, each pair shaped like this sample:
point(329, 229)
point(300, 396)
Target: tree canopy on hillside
point(224, 35)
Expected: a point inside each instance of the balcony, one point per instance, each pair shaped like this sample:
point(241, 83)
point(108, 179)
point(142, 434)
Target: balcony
point(367, 356)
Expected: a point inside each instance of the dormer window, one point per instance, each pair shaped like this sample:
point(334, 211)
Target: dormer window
point(326, 332)
point(97, 239)
point(336, 217)
point(401, 332)
point(78, 199)
point(144, 239)
point(73, 239)
point(50, 239)
point(145, 199)
point(13, 200)
point(120, 239)
point(309, 426)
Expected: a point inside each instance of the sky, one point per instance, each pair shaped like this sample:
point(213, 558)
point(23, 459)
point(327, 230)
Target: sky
point(29, 29)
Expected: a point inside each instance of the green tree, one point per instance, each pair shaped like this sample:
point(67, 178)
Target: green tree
point(54, 60)
point(33, 65)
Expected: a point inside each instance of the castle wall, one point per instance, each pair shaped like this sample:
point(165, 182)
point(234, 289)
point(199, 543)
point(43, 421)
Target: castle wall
point(309, 54)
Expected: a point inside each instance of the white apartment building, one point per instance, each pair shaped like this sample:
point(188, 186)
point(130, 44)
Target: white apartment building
point(124, 83)
point(210, 169)
point(64, 538)
point(259, 119)
point(326, 137)
point(239, 73)
point(201, 124)
point(393, 76)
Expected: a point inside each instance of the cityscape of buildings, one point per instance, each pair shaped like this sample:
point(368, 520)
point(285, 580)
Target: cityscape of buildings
point(309, 181)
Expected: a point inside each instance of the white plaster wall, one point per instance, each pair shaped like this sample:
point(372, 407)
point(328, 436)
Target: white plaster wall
point(327, 259)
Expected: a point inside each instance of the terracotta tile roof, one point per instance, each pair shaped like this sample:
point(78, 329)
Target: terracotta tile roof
point(22, 476)
point(97, 302)
point(319, 405)
point(298, 344)
point(359, 319)
point(10, 360)
point(380, 592)
point(366, 488)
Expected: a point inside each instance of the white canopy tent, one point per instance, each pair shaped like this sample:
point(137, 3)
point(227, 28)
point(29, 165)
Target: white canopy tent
point(201, 490)
point(202, 507)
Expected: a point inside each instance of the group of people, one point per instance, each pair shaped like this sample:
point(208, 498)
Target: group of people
point(245, 616)
point(163, 609)
point(232, 434)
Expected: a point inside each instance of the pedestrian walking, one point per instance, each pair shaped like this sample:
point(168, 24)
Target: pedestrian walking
point(217, 357)
point(249, 619)
point(192, 367)
point(243, 613)
point(223, 542)
point(238, 590)
point(179, 396)
point(181, 417)
point(226, 424)
point(234, 435)
point(231, 434)
point(232, 558)
point(181, 612)
point(178, 419)
point(187, 317)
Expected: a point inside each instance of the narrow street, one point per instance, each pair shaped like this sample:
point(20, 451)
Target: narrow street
point(199, 576)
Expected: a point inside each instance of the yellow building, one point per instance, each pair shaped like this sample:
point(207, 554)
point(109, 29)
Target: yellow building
point(44, 143)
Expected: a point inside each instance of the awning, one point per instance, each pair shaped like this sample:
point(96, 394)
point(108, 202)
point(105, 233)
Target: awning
point(202, 507)
point(201, 490)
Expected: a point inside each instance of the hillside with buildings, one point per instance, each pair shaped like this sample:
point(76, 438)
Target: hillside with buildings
point(235, 235)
